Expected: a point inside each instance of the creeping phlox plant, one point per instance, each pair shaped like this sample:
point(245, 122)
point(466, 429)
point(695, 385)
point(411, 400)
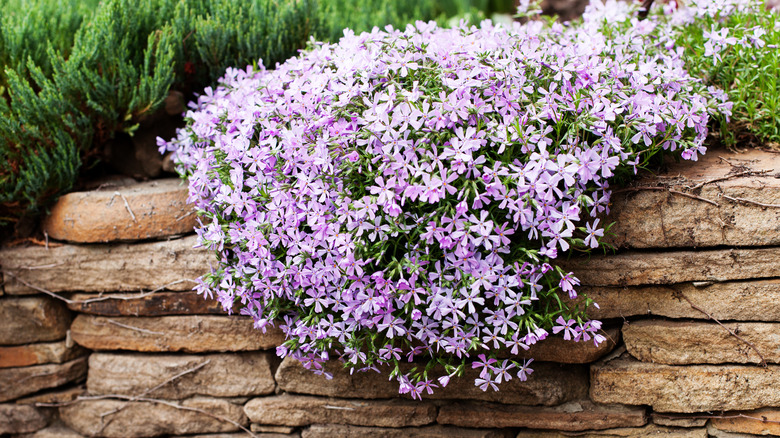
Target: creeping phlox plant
point(402, 196)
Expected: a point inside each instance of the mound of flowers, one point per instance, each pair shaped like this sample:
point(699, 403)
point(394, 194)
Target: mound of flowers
point(403, 195)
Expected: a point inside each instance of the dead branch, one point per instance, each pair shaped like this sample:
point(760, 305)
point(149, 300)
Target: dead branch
point(127, 205)
point(724, 178)
point(748, 201)
point(724, 417)
point(666, 189)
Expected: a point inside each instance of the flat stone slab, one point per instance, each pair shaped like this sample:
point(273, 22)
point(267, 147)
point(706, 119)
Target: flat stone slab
point(738, 300)
point(191, 334)
point(572, 416)
point(121, 267)
point(758, 422)
point(145, 304)
point(342, 431)
point(645, 268)
point(21, 419)
point(678, 420)
point(300, 410)
point(682, 343)
point(38, 354)
point(126, 419)
point(56, 430)
point(550, 384)
point(218, 375)
point(558, 350)
point(56, 395)
point(661, 219)
point(651, 430)
point(685, 389)
point(144, 210)
point(18, 382)
point(32, 319)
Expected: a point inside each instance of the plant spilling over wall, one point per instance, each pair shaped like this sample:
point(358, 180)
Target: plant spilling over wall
point(93, 70)
point(403, 195)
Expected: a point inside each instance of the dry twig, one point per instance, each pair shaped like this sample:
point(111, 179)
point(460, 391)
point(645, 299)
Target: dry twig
point(748, 201)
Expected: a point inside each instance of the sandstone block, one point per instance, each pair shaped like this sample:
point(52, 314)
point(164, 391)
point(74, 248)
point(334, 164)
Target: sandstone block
point(334, 430)
point(57, 395)
point(758, 422)
point(218, 375)
point(17, 382)
point(127, 419)
point(171, 264)
point(558, 350)
point(139, 211)
point(21, 419)
point(32, 319)
point(642, 268)
point(550, 384)
point(263, 428)
point(56, 430)
point(685, 389)
point(37, 354)
point(674, 420)
point(192, 334)
point(156, 304)
point(651, 430)
point(737, 300)
point(681, 343)
point(297, 410)
point(572, 416)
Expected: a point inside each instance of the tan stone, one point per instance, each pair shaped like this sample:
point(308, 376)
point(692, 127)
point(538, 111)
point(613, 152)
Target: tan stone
point(240, 435)
point(572, 416)
point(675, 420)
point(56, 430)
point(712, 432)
point(651, 430)
point(58, 395)
point(653, 218)
point(156, 304)
point(218, 375)
point(264, 428)
point(192, 334)
point(32, 319)
point(643, 268)
point(298, 410)
point(37, 354)
point(550, 384)
point(738, 300)
point(556, 349)
point(126, 419)
point(171, 264)
point(685, 389)
point(144, 210)
point(681, 343)
point(18, 382)
point(758, 422)
point(342, 431)
point(21, 419)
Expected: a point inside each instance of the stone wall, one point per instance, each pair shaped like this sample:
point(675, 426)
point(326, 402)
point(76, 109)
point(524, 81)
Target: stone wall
point(102, 336)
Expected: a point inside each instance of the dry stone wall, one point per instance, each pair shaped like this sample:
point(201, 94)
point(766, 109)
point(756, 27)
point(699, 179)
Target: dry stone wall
point(102, 336)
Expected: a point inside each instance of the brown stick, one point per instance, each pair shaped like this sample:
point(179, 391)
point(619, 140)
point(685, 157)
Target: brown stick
point(724, 178)
point(666, 189)
point(724, 417)
point(748, 201)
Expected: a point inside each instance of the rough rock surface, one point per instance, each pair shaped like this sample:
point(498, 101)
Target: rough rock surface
point(145, 418)
point(144, 210)
point(56, 430)
point(759, 422)
point(192, 334)
point(38, 354)
point(172, 265)
point(56, 395)
point(156, 304)
point(21, 419)
point(738, 300)
point(572, 416)
point(685, 389)
point(552, 384)
point(651, 430)
point(32, 319)
point(333, 430)
point(18, 382)
point(677, 420)
point(298, 410)
point(681, 343)
point(558, 350)
point(218, 375)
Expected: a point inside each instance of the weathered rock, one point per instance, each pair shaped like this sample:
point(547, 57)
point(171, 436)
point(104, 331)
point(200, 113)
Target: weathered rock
point(156, 304)
point(191, 334)
point(239, 435)
point(218, 375)
point(341, 431)
point(651, 430)
point(32, 319)
point(558, 350)
point(759, 422)
point(37, 354)
point(681, 343)
point(264, 428)
point(738, 300)
point(171, 264)
point(685, 389)
point(56, 430)
point(659, 218)
point(21, 419)
point(677, 420)
point(297, 410)
point(552, 384)
point(572, 416)
point(17, 382)
point(58, 395)
point(643, 268)
point(145, 210)
point(127, 419)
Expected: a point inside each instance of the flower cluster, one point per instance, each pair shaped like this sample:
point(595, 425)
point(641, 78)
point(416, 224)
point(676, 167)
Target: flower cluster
point(402, 195)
